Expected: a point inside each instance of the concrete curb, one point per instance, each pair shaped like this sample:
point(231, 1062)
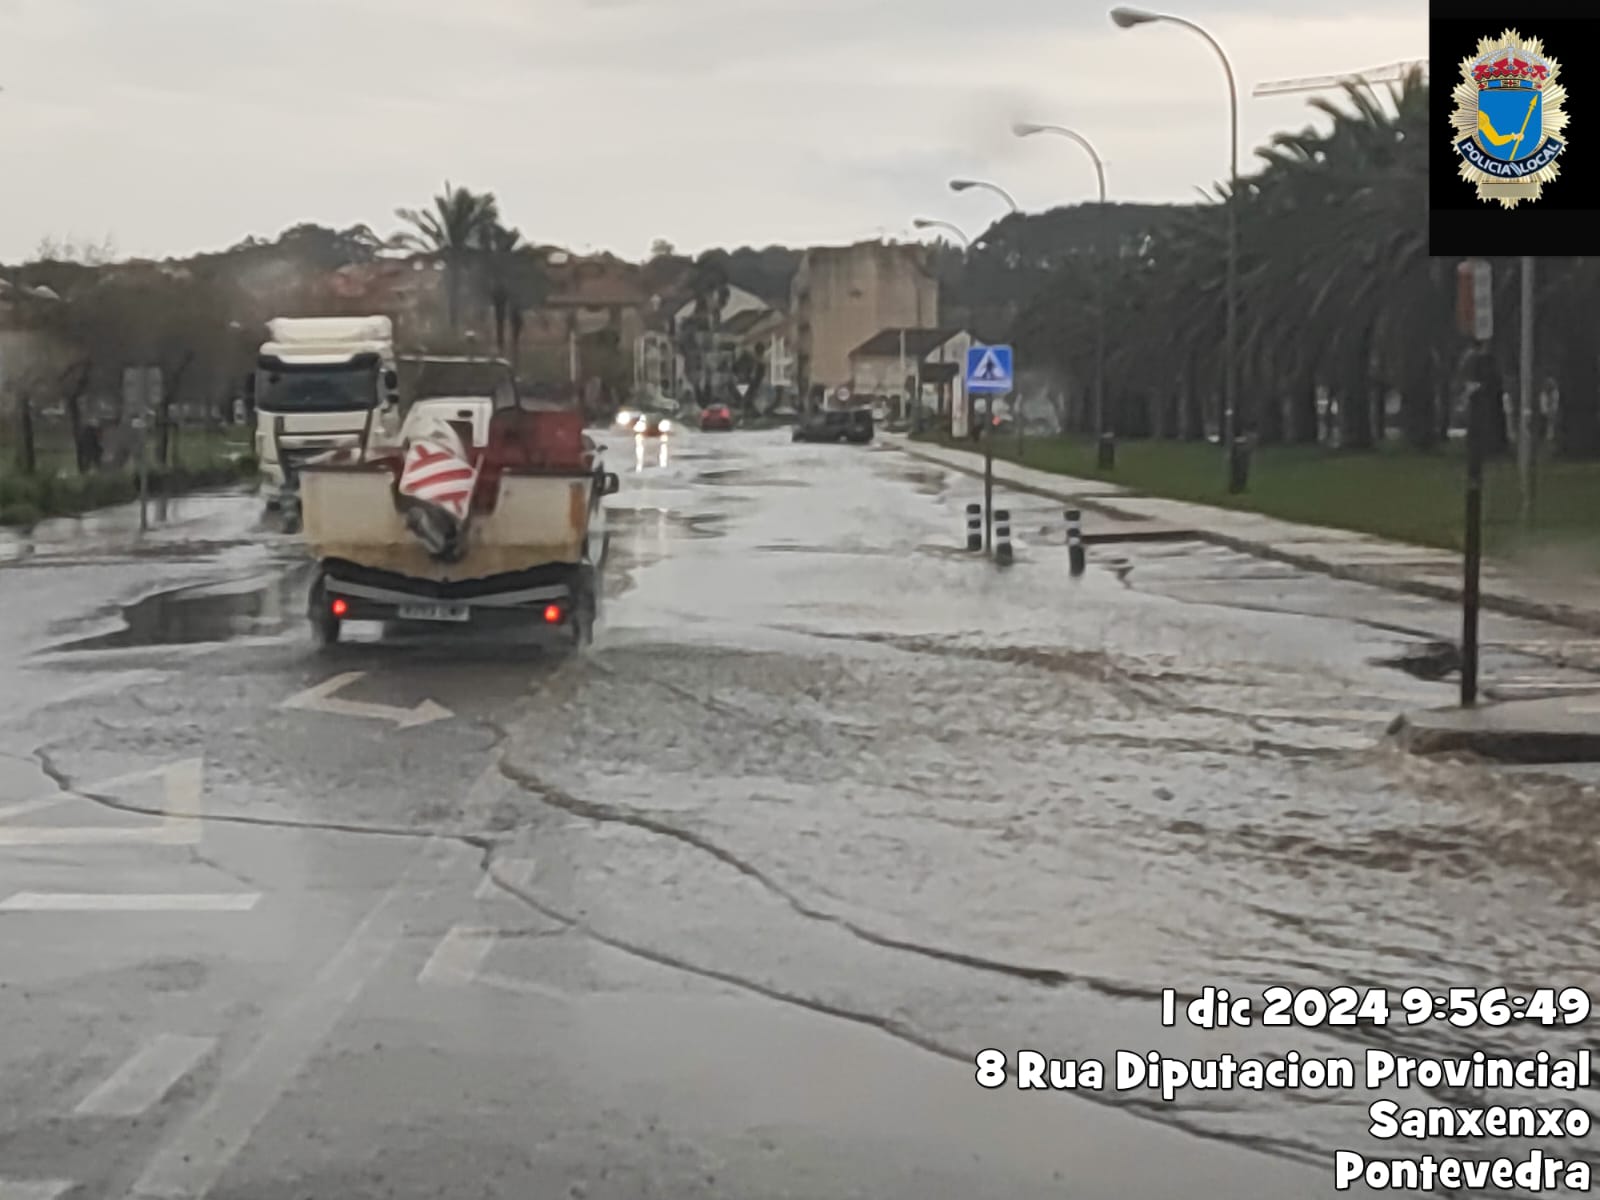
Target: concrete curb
point(1418, 735)
point(1514, 606)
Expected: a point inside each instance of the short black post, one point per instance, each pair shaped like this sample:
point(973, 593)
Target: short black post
point(1106, 460)
point(1239, 466)
point(974, 527)
point(1075, 552)
point(1002, 536)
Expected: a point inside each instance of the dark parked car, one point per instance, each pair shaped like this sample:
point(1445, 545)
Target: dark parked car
point(835, 425)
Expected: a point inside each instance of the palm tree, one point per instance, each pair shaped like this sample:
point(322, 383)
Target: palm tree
point(453, 231)
point(515, 280)
point(499, 245)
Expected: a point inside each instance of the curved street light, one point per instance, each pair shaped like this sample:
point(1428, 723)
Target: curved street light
point(961, 185)
point(930, 223)
point(1027, 129)
point(1106, 446)
point(1127, 18)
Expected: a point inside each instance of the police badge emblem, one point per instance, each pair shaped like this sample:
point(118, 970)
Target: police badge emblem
point(1508, 111)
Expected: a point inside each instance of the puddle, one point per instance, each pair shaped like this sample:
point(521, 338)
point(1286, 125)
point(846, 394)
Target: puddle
point(734, 477)
point(927, 482)
point(642, 521)
point(208, 613)
point(1432, 661)
point(799, 548)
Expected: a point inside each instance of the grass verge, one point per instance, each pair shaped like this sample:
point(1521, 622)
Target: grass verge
point(1391, 493)
point(26, 499)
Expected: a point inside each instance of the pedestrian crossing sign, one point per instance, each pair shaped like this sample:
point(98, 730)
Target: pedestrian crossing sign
point(989, 369)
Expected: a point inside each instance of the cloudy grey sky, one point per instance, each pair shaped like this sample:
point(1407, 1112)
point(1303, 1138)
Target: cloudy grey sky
point(176, 125)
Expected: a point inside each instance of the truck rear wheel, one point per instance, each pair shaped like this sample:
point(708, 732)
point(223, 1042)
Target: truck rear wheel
point(325, 630)
point(324, 625)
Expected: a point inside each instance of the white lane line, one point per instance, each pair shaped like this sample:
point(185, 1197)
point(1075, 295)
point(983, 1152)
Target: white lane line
point(144, 1079)
point(22, 809)
point(191, 1162)
point(34, 1189)
point(129, 902)
point(172, 833)
point(515, 871)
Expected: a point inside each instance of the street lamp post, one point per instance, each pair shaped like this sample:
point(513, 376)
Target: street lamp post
point(966, 246)
point(1238, 464)
point(1106, 439)
point(929, 223)
point(961, 185)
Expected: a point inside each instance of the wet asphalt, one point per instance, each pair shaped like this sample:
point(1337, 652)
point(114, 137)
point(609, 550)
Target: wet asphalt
point(727, 904)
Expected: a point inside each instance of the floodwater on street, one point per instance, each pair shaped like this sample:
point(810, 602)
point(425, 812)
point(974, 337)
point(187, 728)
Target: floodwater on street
point(829, 799)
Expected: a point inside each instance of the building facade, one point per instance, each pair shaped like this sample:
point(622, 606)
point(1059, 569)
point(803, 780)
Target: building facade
point(912, 367)
point(842, 296)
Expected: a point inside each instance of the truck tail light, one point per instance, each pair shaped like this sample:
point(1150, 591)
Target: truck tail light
point(340, 606)
point(552, 614)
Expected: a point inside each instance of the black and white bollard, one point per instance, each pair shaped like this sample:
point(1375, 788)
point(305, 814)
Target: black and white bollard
point(1002, 536)
point(974, 527)
point(1075, 554)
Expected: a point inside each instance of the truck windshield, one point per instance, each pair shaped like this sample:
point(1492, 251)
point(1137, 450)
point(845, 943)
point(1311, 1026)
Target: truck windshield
point(432, 378)
point(288, 387)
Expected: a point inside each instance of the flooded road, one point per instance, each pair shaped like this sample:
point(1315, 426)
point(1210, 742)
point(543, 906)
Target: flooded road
point(736, 897)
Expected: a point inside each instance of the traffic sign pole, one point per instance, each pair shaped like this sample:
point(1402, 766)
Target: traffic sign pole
point(990, 369)
point(988, 468)
point(1475, 317)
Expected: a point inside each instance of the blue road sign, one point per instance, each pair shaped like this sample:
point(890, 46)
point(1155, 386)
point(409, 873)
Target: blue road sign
point(989, 369)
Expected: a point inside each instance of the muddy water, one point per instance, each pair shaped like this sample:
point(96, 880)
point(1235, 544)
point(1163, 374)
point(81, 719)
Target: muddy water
point(978, 809)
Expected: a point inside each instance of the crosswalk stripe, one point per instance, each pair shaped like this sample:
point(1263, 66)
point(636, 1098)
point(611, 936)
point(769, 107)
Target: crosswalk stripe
point(128, 902)
point(458, 956)
point(144, 1079)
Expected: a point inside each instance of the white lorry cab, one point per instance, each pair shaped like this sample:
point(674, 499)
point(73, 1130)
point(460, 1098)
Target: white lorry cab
point(321, 384)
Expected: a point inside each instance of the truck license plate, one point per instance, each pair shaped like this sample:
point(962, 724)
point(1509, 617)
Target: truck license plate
point(434, 612)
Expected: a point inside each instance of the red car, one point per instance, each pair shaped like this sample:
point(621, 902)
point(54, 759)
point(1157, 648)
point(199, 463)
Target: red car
point(718, 416)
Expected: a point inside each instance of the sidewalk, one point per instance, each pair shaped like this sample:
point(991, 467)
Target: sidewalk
point(1361, 557)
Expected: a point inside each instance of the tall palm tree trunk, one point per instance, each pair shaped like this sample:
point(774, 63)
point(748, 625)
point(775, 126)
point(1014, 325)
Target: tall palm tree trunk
point(1418, 424)
point(1355, 396)
point(27, 451)
point(1578, 413)
point(1304, 423)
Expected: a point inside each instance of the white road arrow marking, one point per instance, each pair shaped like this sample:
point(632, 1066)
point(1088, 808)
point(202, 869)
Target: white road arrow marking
point(183, 783)
point(321, 699)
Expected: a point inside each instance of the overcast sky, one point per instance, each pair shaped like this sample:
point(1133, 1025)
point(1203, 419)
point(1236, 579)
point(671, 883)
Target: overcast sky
point(176, 125)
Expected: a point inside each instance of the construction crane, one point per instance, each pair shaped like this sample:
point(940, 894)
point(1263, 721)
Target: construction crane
point(1393, 73)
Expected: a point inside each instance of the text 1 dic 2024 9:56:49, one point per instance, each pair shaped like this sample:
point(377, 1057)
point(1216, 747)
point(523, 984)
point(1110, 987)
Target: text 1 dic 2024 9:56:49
point(1316, 1007)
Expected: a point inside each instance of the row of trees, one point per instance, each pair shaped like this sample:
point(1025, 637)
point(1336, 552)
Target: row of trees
point(79, 317)
point(1342, 312)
